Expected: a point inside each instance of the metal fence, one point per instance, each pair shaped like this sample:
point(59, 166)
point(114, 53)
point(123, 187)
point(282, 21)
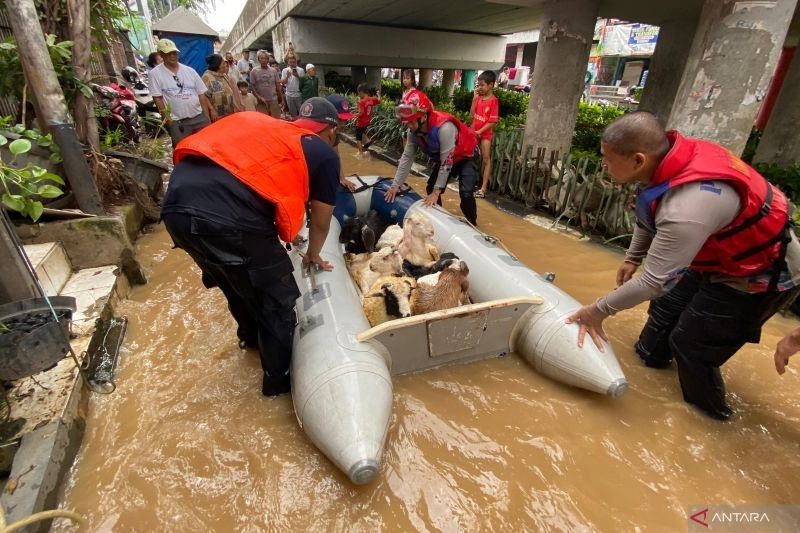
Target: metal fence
point(573, 191)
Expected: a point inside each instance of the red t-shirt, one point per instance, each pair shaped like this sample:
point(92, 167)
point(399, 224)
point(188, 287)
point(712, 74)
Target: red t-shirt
point(485, 111)
point(365, 106)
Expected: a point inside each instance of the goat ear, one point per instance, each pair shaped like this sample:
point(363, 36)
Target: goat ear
point(368, 236)
point(379, 294)
point(386, 287)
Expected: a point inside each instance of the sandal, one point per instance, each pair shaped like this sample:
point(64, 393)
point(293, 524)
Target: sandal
point(479, 194)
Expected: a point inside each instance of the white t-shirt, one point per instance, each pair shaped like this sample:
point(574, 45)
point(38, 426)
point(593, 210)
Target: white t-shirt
point(180, 91)
point(244, 67)
point(292, 83)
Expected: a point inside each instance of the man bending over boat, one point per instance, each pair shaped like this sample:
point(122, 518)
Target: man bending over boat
point(448, 142)
point(239, 187)
point(720, 254)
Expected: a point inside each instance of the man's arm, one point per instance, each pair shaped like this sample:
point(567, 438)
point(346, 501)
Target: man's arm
point(162, 108)
point(403, 168)
point(686, 217)
point(321, 214)
point(208, 108)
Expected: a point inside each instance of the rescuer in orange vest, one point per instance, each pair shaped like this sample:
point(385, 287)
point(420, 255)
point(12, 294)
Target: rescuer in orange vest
point(239, 187)
point(719, 254)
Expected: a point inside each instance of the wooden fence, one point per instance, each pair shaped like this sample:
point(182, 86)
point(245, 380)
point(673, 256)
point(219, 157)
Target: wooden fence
point(573, 191)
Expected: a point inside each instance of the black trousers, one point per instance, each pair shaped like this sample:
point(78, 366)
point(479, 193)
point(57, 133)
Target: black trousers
point(702, 325)
point(467, 176)
point(255, 275)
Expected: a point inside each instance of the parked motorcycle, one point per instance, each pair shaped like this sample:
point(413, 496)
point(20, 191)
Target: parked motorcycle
point(116, 110)
point(145, 105)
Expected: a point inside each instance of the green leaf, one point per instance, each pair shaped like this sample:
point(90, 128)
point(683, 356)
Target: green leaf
point(49, 191)
point(55, 158)
point(8, 46)
point(52, 177)
point(31, 134)
point(38, 172)
point(44, 142)
point(3, 140)
point(86, 90)
point(20, 146)
point(17, 128)
point(34, 210)
point(14, 202)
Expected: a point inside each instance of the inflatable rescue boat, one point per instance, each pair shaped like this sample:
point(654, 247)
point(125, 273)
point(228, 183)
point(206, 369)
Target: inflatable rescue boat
point(342, 368)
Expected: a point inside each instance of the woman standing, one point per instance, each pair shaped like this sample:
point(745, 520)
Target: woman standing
point(222, 92)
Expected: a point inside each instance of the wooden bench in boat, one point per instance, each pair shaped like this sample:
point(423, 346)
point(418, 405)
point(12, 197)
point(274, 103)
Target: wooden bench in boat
point(460, 334)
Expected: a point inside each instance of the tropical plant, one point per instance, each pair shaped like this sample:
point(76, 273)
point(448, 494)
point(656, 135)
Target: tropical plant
point(12, 81)
point(23, 187)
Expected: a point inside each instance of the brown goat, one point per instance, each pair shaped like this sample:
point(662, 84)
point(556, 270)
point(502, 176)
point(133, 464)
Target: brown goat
point(450, 290)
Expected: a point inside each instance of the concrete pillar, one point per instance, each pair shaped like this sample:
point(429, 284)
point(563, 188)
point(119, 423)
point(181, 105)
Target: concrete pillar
point(780, 143)
point(674, 42)
point(520, 54)
point(321, 77)
point(449, 80)
point(468, 79)
point(358, 75)
point(374, 77)
point(561, 59)
point(425, 78)
point(729, 67)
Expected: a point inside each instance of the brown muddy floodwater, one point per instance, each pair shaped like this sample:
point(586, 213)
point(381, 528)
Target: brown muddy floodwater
point(187, 442)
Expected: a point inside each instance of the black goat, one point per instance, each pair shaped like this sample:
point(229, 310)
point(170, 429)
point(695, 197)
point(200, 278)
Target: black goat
point(359, 234)
point(418, 271)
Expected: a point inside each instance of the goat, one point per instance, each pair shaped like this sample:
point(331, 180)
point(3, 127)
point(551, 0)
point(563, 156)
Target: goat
point(389, 298)
point(390, 237)
point(366, 268)
point(419, 271)
point(359, 234)
point(416, 246)
point(451, 289)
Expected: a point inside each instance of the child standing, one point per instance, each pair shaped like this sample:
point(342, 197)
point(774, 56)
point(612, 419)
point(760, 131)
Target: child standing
point(411, 95)
point(484, 114)
point(249, 100)
point(367, 99)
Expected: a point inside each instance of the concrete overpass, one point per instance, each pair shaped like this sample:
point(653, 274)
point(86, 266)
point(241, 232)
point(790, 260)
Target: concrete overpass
point(711, 67)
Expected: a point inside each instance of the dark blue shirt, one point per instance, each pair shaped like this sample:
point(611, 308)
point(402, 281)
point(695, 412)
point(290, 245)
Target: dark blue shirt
point(200, 187)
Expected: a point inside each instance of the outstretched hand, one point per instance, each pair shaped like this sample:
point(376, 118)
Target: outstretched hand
point(432, 198)
point(591, 322)
point(308, 260)
point(787, 347)
point(391, 193)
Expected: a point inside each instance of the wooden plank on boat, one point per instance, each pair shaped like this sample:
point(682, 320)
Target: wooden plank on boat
point(460, 334)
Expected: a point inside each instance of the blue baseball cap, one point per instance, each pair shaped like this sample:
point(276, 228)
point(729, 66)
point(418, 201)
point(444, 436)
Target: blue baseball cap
point(342, 106)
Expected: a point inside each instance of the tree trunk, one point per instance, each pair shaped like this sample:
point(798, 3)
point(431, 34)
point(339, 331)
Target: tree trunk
point(83, 108)
point(42, 81)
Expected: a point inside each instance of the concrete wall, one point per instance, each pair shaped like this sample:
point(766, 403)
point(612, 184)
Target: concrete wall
point(732, 58)
point(336, 43)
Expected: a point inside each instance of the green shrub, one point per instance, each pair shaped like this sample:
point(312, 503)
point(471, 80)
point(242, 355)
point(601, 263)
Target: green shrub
point(591, 120)
point(786, 178)
point(391, 89)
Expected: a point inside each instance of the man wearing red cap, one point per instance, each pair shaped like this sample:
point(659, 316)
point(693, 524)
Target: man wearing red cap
point(239, 187)
point(448, 142)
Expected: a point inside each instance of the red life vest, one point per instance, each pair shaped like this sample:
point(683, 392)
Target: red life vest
point(466, 142)
point(753, 241)
point(263, 153)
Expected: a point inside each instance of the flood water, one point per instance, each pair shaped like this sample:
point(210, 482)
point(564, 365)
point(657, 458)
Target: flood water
point(187, 442)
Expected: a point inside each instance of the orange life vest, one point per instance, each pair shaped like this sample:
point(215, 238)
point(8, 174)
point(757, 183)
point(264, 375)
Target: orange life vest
point(753, 241)
point(265, 154)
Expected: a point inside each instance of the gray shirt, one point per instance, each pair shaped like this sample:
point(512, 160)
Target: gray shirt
point(686, 217)
point(448, 134)
point(264, 82)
